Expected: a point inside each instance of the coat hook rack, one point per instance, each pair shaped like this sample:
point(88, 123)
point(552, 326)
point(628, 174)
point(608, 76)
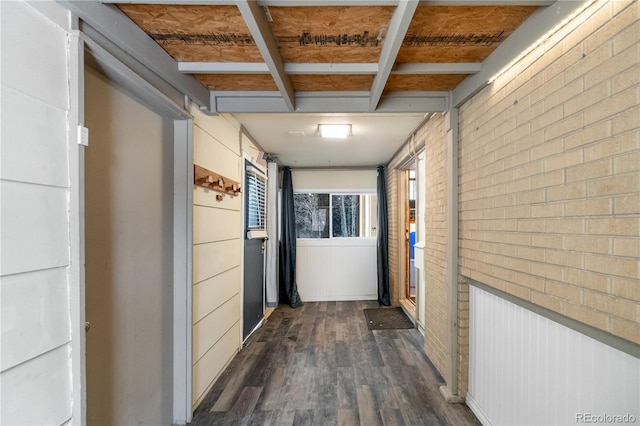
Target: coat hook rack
point(211, 180)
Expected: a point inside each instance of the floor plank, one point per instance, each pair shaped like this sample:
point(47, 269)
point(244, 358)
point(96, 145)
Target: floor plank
point(321, 365)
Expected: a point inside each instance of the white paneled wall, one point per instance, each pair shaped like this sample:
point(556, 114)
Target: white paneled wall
point(35, 378)
point(217, 254)
point(337, 269)
point(525, 369)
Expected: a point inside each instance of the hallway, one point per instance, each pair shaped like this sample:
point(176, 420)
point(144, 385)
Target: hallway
point(320, 364)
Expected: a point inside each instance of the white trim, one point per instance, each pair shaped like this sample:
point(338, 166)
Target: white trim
point(182, 271)
point(336, 242)
point(473, 405)
point(341, 298)
point(75, 56)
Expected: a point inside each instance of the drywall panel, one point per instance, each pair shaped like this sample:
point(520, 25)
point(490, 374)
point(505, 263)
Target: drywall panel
point(211, 259)
point(35, 315)
point(209, 367)
point(211, 328)
point(39, 46)
point(337, 270)
point(211, 224)
point(35, 232)
point(210, 294)
point(334, 180)
point(207, 197)
point(529, 370)
point(34, 140)
point(38, 392)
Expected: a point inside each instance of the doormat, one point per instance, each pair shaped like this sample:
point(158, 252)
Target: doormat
point(387, 319)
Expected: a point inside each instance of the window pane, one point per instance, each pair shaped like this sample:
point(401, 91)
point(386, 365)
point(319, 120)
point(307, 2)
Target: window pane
point(256, 207)
point(312, 215)
point(346, 215)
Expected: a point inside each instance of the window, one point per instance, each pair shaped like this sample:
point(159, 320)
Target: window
point(256, 199)
point(335, 215)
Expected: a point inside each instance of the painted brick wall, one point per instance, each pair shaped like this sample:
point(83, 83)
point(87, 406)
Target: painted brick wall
point(435, 261)
point(549, 174)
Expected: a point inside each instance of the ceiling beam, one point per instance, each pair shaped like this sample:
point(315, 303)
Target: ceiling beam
point(130, 39)
point(347, 2)
point(289, 68)
point(327, 68)
point(438, 68)
point(328, 102)
point(260, 30)
point(400, 20)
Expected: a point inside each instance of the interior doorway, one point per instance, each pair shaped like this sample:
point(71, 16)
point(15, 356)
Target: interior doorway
point(129, 257)
point(410, 233)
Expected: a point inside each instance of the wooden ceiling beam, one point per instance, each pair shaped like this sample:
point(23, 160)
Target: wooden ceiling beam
point(400, 21)
point(346, 2)
point(327, 69)
point(256, 21)
point(262, 68)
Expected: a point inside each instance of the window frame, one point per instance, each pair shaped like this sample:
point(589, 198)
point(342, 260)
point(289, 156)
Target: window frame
point(331, 193)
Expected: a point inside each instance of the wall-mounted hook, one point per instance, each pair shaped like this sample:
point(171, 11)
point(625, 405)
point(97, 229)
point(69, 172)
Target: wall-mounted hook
point(211, 180)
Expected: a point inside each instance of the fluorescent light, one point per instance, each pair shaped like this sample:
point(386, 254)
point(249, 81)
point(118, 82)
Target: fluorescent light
point(337, 131)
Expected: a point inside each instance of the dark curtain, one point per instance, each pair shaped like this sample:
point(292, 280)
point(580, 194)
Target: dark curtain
point(288, 243)
point(383, 240)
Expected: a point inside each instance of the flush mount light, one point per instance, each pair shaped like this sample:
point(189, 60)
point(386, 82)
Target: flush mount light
point(336, 131)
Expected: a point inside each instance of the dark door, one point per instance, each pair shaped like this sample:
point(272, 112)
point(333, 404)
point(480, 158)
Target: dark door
point(255, 235)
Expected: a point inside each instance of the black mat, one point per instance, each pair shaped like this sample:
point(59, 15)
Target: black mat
point(387, 319)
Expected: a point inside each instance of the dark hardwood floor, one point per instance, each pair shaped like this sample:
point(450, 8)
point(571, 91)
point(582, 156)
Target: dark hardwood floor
point(321, 365)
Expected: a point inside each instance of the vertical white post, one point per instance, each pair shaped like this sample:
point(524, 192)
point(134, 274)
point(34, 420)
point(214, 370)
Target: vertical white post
point(75, 63)
point(182, 272)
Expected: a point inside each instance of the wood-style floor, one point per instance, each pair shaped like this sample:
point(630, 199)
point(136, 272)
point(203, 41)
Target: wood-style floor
point(321, 365)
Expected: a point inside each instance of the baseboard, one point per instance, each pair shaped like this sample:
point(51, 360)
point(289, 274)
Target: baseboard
point(471, 403)
point(445, 391)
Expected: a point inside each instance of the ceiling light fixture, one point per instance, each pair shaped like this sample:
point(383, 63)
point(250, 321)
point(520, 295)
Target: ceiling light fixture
point(336, 131)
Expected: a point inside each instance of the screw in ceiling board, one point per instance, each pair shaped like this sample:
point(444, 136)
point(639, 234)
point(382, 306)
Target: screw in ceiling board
point(267, 13)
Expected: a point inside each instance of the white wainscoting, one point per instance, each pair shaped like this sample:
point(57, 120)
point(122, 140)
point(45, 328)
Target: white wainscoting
point(525, 369)
point(337, 269)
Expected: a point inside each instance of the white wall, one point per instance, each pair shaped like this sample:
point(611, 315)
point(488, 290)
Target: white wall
point(36, 372)
point(526, 369)
point(337, 269)
point(217, 253)
point(334, 180)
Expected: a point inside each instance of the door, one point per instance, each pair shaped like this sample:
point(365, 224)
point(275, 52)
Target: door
point(410, 234)
point(129, 258)
point(254, 245)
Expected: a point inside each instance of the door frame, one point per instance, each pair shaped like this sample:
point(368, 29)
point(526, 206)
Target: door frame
point(82, 48)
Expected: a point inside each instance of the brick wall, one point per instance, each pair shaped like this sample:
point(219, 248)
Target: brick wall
point(394, 246)
point(549, 174)
point(436, 339)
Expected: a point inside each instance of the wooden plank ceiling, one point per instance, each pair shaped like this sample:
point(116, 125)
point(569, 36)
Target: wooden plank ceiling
point(441, 35)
